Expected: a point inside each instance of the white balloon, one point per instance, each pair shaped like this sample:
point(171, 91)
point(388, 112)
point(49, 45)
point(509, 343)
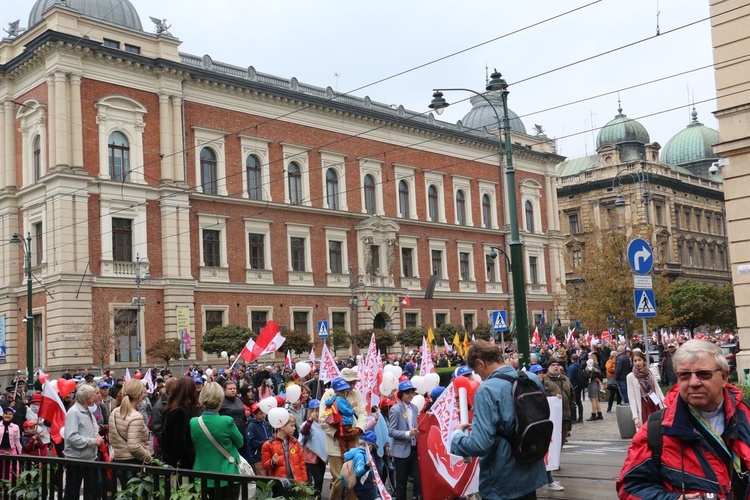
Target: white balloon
point(278, 417)
point(396, 370)
point(418, 383)
point(302, 368)
point(223, 354)
point(431, 381)
point(293, 392)
point(267, 404)
point(209, 372)
point(418, 401)
point(385, 391)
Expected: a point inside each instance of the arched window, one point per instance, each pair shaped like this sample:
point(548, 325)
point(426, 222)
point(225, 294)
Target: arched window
point(254, 180)
point(432, 203)
point(209, 172)
point(403, 199)
point(486, 211)
point(529, 217)
point(119, 157)
point(294, 172)
point(370, 203)
point(36, 151)
point(332, 189)
point(461, 207)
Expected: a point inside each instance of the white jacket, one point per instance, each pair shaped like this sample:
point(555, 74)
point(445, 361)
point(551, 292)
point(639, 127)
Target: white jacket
point(634, 394)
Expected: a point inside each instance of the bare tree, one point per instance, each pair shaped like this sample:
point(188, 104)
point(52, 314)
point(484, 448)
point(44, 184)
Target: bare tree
point(102, 335)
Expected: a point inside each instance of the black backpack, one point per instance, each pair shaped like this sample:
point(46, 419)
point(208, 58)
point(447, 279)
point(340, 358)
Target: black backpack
point(533, 432)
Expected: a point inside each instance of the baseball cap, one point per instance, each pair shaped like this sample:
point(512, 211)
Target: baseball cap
point(198, 380)
point(436, 393)
point(462, 371)
point(313, 403)
point(406, 385)
point(370, 437)
point(339, 384)
point(29, 423)
point(103, 385)
point(254, 408)
point(535, 368)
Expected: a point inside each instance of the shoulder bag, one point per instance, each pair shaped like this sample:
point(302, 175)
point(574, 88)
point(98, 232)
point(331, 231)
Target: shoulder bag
point(243, 467)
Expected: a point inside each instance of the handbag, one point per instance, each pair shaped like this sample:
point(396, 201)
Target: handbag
point(243, 467)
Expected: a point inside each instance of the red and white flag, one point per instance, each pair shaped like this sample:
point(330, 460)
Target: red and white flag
point(312, 359)
point(427, 365)
point(52, 410)
point(150, 386)
point(406, 301)
point(571, 335)
point(328, 368)
point(447, 346)
point(288, 359)
point(268, 342)
point(368, 370)
point(535, 338)
point(445, 409)
point(186, 340)
point(367, 300)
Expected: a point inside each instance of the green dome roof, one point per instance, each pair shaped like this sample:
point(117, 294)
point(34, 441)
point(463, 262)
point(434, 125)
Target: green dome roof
point(482, 114)
point(120, 12)
point(621, 130)
point(690, 145)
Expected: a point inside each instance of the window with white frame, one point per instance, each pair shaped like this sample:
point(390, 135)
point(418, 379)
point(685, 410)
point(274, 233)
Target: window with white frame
point(528, 209)
point(35, 219)
point(438, 264)
point(301, 320)
point(531, 195)
point(118, 154)
point(462, 199)
point(470, 320)
point(334, 180)
point(214, 263)
point(465, 261)
point(409, 261)
point(297, 170)
point(460, 207)
point(259, 244)
point(489, 204)
point(405, 193)
point(411, 319)
point(210, 161)
point(257, 167)
point(434, 186)
point(33, 120)
point(258, 317)
point(533, 270)
point(300, 258)
point(433, 208)
point(125, 328)
point(371, 180)
point(441, 317)
point(490, 268)
point(337, 253)
point(114, 210)
point(536, 274)
point(486, 211)
point(126, 116)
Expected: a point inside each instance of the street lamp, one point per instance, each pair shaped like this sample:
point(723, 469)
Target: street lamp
point(29, 319)
point(498, 83)
point(142, 267)
point(353, 303)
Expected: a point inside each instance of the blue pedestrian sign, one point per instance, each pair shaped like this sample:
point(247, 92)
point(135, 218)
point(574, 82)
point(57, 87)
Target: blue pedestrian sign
point(640, 256)
point(645, 304)
point(323, 329)
point(499, 321)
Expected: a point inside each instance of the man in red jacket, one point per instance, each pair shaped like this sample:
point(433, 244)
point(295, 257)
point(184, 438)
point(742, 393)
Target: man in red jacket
point(705, 435)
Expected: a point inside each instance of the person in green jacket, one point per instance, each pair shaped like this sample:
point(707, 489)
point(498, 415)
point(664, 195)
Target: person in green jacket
point(208, 458)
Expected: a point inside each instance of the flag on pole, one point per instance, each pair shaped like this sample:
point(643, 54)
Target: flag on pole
point(186, 340)
point(367, 300)
point(457, 343)
point(427, 365)
point(369, 369)
point(312, 358)
point(288, 359)
point(150, 386)
point(447, 347)
point(430, 336)
point(328, 368)
point(268, 342)
point(473, 338)
point(535, 338)
point(406, 300)
point(393, 301)
point(571, 335)
point(466, 344)
point(380, 300)
point(52, 410)
point(127, 374)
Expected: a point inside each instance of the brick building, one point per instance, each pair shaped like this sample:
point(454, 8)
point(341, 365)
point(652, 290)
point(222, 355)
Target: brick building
point(251, 197)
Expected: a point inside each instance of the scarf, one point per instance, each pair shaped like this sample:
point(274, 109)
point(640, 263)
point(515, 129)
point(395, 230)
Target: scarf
point(645, 380)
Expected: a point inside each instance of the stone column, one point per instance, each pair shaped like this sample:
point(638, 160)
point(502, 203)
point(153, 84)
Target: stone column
point(3, 181)
point(177, 142)
point(553, 220)
point(10, 144)
point(51, 123)
point(61, 120)
point(76, 122)
point(165, 139)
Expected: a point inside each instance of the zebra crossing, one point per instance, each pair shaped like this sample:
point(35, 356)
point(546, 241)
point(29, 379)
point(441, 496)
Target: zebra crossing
point(584, 449)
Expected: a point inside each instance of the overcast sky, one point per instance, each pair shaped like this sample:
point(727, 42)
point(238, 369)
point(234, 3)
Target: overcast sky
point(349, 45)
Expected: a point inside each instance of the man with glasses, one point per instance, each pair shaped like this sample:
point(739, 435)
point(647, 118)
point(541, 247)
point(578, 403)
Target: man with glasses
point(704, 435)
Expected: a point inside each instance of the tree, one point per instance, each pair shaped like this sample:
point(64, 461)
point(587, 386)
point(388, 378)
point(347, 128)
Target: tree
point(297, 342)
point(230, 338)
point(447, 332)
point(383, 338)
point(694, 303)
point(412, 336)
point(483, 331)
point(166, 349)
point(340, 339)
point(725, 315)
point(102, 335)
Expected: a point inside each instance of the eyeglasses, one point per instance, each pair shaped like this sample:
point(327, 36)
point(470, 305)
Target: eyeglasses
point(701, 374)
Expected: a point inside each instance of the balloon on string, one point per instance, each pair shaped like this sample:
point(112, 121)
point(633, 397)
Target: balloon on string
point(385, 389)
point(209, 372)
point(224, 354)
point(268, 403)
point(419, 384)
point(65, 387)
point(431, 380)
point(389, 381)
point(278, 417)
point(293, 392)
point(418, 401)
point(302, 368)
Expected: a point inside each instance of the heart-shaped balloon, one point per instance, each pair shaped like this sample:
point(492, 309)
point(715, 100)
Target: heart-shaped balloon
point(65, 387)
point(278, 417)
point(293, 392)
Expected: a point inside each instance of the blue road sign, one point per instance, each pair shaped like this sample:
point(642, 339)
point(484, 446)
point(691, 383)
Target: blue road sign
point(323, 329)
point(499, 321)
point(645, 304)
point(640, 256)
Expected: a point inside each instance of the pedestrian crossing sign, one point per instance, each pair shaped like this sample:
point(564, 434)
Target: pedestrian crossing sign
point(323, 329)
point(644, 303)
point(499, 321)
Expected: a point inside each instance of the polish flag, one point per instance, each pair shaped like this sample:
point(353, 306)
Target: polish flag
point(367, 300)
point(406, 301)
point(268, 342)
point(571, 335)
point(312, 359)
point(535, 338)
point(52, 410)
point(288, 360)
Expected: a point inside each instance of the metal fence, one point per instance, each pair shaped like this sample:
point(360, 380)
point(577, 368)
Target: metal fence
point(24, 476)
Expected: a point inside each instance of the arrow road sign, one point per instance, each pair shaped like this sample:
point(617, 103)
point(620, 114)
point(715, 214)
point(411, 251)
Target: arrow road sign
point(323, 329)
point(644, 303)
point(640, 256)
point(499, 321)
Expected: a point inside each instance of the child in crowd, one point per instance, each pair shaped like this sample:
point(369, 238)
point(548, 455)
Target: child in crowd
point(283, 456)
point(364, 486)
point(31, 442)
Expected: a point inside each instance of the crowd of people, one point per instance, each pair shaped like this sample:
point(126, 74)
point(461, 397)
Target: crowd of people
point(206, 419)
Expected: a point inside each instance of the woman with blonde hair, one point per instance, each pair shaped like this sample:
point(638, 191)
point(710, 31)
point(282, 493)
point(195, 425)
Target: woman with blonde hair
point(127, 430)
point(644, 392)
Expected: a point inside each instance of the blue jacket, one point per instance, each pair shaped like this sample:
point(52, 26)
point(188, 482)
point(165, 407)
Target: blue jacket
point(364, 488)
point(258, 432)
point(501, 476)
point(574, 373)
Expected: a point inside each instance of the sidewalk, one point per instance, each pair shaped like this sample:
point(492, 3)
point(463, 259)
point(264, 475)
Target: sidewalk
point(599, 430)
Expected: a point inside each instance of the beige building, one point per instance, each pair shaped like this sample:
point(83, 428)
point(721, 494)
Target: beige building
point(632, 181)
point(730, 21)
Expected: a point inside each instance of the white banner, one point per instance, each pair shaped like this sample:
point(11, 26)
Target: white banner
point(552, 459)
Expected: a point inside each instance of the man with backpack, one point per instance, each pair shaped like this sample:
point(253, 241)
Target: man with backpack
point(580, 382)
point(513, 468)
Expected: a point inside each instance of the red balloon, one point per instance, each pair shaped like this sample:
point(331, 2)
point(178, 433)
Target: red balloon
point(280, 401)
point(471, 387)
point(65, 387)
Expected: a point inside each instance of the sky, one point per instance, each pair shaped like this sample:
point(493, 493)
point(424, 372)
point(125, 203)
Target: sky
point(446, 44)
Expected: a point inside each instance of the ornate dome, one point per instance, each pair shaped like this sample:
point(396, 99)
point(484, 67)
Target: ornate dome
point(621, 130)
point(482, 115)
point(120, 12)
point(691, 145)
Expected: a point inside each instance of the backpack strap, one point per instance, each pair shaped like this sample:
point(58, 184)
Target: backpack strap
point(654, 436)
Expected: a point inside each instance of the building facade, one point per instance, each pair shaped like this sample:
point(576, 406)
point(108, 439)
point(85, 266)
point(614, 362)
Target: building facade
point(242, 197)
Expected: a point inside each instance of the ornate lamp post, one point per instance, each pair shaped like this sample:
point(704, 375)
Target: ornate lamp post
point(354, 303)
point(142, 274)
point(29, 319)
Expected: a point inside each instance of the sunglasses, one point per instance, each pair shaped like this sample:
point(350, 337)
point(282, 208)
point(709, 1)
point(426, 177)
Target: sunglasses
point(701, 374)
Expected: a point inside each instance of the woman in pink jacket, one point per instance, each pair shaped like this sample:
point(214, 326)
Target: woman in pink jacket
point(10, 441)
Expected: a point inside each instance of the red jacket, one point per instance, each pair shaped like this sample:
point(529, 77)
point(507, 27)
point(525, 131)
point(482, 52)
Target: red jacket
point(296, 459)
point(686, 456)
